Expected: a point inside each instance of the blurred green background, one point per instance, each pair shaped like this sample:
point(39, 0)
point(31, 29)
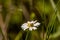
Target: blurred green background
point(47, 12)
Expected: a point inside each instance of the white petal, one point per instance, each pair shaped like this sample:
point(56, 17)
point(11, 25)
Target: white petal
point(30, 28)
point(28, 22)
point(24, 26)
point(34, 28)
point(37, 24)
point(33, 22)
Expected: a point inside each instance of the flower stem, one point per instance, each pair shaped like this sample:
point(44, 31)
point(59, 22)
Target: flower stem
point(27, 36)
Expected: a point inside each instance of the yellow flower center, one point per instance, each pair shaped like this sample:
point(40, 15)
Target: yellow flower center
point(30, 24)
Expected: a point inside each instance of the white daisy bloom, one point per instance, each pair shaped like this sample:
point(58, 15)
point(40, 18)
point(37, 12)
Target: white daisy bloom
point(31, 25)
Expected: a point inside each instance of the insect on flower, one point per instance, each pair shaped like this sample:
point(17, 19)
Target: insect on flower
point(31, 25)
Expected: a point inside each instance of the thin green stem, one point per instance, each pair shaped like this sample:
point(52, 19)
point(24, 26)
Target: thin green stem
point(27, 35)
point(44, 19)
point(52, 20)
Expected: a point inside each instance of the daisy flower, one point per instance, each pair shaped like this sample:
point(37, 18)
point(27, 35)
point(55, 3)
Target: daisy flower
point(31, 25)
